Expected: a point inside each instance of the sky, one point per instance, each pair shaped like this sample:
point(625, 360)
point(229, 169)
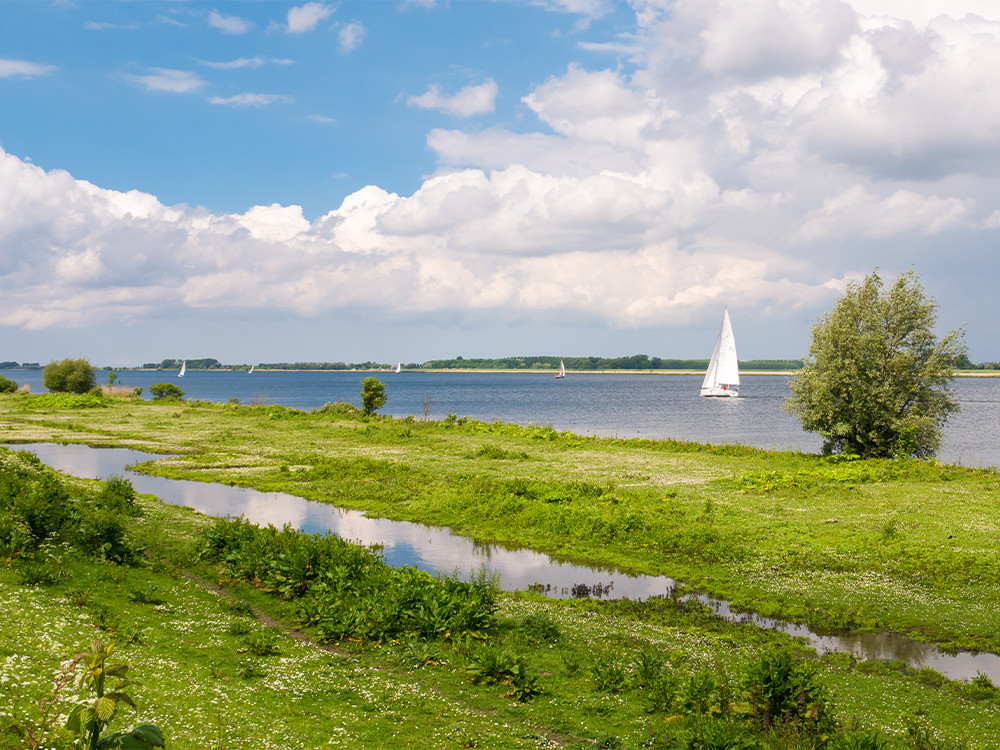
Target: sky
point(403, 181)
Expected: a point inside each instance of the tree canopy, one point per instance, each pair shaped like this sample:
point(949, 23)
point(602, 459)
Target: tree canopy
point(69, 376)
point(372, 395)
point(876, 382)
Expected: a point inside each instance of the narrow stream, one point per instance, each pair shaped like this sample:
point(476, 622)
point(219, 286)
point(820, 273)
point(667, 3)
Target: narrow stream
point(435, 549)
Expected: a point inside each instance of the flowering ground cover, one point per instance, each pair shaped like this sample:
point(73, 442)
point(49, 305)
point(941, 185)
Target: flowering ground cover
point(909, 546)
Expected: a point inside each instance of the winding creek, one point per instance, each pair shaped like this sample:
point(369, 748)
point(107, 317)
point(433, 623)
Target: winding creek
point(436, 549)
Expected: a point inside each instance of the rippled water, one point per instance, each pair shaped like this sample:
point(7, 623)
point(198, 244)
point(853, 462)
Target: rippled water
point(623, 405)
point(436, 549)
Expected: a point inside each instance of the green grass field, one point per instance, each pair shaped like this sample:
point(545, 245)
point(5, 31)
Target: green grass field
point(868, 545)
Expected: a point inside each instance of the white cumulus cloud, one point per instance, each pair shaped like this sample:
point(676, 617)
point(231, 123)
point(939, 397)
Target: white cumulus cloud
point(472, 100)
point(229, 24)
point(165, 79)
point(303, 18)
point(23, 69)
point(248, 100)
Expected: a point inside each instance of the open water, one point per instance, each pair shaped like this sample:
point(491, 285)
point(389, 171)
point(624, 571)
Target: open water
point(604, 404)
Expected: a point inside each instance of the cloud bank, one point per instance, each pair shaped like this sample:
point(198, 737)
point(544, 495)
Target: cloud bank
point(752, 155)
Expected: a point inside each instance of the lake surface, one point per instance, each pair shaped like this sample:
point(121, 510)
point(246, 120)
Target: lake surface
point(616, 405)
point(436, 549)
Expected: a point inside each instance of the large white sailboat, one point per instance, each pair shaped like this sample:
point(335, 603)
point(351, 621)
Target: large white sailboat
point(723, 376)
point(184, 365)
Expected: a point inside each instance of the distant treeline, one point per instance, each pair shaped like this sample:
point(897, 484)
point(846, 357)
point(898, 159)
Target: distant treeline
point(633, 362)
point(326, 366)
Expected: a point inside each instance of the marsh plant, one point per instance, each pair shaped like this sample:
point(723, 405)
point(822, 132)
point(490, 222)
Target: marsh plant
point(104, 691)
point(497, 664)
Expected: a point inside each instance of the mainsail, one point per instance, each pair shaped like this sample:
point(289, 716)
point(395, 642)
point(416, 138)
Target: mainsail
point(723, 376)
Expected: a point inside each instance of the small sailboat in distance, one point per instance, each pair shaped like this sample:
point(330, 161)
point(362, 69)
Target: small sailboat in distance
point(184, 365)
point(250, 371)
point(562, 370)
point(399, 367)
point(723, 376)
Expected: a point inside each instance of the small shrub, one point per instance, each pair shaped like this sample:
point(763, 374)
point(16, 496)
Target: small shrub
point(240, 627)
point(498, 665)
point(37, 573)
point(785, 692)
point(166, 392)
point(571, 661)
point(7, 385)
point(340, 408)
point(102, 533)
point(146, 595)
point(118, 495)
point(609, 674)
point(540, 628)
point(78, 597)
point(263, 644)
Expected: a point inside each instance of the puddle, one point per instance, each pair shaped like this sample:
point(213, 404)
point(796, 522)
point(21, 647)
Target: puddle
point(435, 549)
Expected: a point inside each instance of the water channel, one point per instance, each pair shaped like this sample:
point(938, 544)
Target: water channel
point(435, 549)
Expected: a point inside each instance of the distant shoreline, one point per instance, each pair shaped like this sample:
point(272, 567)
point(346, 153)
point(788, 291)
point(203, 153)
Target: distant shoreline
point(466, 371)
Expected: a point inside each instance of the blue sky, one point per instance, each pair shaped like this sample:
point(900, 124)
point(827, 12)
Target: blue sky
point(267, 181)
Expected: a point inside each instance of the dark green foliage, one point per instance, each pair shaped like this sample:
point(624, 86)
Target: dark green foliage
point(860, 740)
point(118, 495)
point(36, 506)
point(784, 692)
point(495, 664)
point(263, 644)
point(373, 395)
point(102, 533)
point(346, 591)
point(7, 385)
point(876, 381)
point(166, 391)
point(69, 376)
point(539, 627)
point(609, 674)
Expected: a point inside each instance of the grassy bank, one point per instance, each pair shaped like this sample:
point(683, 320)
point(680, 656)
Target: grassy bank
point(908, 546)
point(905, 545)
point(225, 661)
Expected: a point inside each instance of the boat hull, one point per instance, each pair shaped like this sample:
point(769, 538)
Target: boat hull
point(720, 392)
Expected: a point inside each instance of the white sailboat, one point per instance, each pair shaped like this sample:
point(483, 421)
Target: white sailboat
point(184, 365)
point(723, 376)
point(562, 370)
point(399, 367)
point(250, 371)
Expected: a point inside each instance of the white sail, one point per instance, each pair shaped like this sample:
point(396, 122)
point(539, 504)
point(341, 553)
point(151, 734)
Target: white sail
point(250, 371)
point(184, 365)
point(399, 367)
point(562, 370)
point(723, 375)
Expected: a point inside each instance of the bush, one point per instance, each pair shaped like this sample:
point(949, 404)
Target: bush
point(165, 391)
point(7, 385)
point(786, 693)
point(69, 376)
point(372, 395)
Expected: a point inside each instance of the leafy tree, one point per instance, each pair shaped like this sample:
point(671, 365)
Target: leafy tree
point(166, 391)
point(372, 395)
point(69, 376)
point(876, 382)
point(7, 385)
